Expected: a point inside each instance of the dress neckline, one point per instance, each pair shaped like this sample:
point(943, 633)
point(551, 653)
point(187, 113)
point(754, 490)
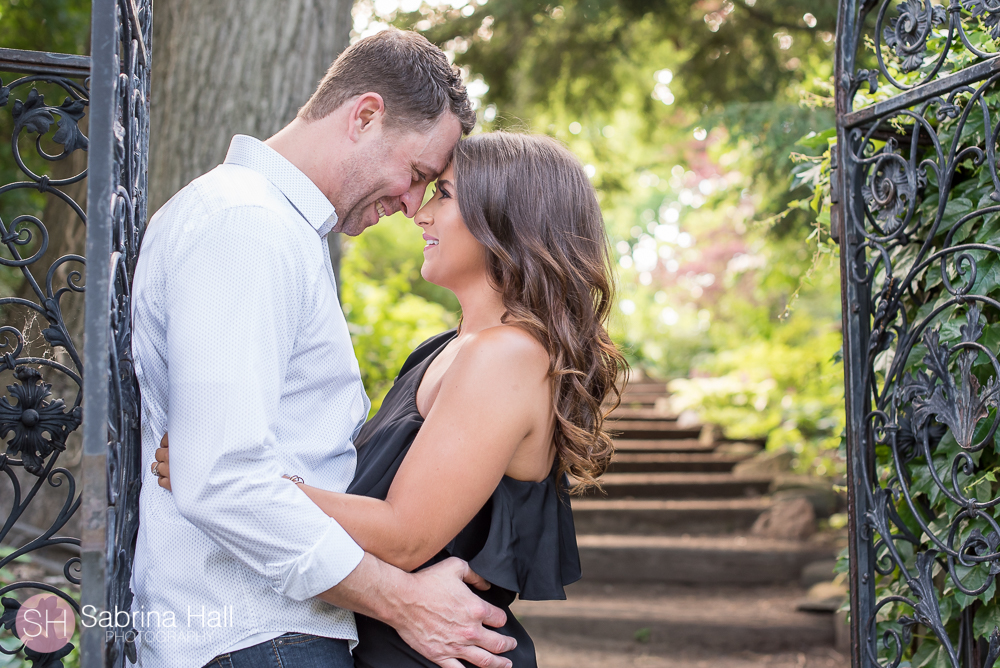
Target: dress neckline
point(421, 370)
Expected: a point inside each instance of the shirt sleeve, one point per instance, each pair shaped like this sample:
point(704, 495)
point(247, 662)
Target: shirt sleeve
point(236, 293)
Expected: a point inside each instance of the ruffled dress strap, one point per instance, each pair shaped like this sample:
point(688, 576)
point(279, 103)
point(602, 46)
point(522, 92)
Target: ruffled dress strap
point(523, 539)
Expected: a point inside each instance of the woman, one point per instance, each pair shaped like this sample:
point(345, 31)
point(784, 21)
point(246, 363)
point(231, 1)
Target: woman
point(469, 453)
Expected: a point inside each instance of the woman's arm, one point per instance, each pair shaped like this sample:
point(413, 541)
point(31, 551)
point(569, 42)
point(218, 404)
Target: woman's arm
point(489, 401)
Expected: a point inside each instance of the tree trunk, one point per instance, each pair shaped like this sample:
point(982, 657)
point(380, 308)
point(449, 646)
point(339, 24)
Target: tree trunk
point(225, 67)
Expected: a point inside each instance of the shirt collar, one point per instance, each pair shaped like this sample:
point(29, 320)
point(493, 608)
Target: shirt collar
point(298, 188)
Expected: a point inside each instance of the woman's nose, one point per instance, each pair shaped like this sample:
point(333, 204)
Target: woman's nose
point(423, 216)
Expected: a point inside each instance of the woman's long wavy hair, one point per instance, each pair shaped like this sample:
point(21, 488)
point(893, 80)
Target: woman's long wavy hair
point(527, 199)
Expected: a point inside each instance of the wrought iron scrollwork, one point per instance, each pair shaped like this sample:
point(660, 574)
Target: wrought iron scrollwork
point(988, 11)
point(32, 418)
point(920, 261)
point(35, 424)
point(907, 33)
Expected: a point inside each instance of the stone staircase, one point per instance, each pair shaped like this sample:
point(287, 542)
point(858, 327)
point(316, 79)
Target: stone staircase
point(673, 576)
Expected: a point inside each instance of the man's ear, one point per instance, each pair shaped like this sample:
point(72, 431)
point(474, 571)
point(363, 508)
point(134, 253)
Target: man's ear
point(367, 112)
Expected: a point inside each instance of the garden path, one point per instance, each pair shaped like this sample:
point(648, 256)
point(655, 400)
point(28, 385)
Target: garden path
point(673, 577)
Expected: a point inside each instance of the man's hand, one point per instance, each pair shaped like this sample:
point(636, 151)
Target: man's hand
point(433, 610)
point(444, 621)
point(161, 467)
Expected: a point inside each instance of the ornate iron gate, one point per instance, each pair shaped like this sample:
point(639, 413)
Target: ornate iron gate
point(108, 92)
point(916, 194)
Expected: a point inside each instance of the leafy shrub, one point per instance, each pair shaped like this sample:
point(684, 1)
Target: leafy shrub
point(379, 278)
point(788, 389)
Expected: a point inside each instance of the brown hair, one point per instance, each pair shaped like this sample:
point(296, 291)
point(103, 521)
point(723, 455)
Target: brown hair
point(527, 199)
point(414, 78)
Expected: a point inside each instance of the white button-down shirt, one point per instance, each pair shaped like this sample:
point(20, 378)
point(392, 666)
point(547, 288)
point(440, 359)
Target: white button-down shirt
point(243, 354)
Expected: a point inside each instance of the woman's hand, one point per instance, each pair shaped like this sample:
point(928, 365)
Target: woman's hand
point(161, 467)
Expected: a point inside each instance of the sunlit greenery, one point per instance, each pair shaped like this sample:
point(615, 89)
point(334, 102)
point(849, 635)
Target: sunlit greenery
point(390, 309)
point(686, 116)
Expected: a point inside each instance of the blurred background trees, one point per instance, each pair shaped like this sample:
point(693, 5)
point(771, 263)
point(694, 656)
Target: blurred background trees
point(702, 126)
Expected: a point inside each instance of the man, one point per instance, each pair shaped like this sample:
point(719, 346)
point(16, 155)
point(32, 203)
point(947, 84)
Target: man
point(243, 354)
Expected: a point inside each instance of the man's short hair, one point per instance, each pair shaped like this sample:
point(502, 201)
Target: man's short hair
point(414, 78)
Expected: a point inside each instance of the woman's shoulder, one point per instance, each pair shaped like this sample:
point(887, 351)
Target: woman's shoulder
point(508, 343)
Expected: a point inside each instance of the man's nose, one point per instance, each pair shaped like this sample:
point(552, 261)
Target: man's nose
point(412, 199)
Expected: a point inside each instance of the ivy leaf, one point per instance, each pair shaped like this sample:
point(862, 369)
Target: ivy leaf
point(991, 340)
point(973, 577)
point(987, 277)
point(949, 609)
point(820, 140)
point(954, 210)
point(987, 619)
point(930, 655)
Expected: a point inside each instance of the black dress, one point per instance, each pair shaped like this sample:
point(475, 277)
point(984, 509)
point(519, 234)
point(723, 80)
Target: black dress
point(522, 541)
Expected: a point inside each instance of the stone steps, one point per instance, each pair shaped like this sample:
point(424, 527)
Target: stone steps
point(645, 388)
point(576, 652)
point(640, 402)
point(651, 429)
point(671, 462)
point(670, 577)
point(644, 395)
point(762, 619)
point(710, 560)
point(690, 445)
point(659, 517)
point(641, 414)
point(679, 486)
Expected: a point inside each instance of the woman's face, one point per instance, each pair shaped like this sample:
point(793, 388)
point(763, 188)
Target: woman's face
point(453, 258)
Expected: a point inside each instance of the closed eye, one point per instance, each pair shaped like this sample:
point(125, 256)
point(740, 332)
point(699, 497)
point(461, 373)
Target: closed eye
point(442, 187)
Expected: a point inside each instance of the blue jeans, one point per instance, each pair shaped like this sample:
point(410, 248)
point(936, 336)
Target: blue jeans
point(292, 650)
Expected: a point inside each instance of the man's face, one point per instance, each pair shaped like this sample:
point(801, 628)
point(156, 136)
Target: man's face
point(393, 172)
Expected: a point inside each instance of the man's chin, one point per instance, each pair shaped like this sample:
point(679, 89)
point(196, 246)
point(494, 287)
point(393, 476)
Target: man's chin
point(353, 228)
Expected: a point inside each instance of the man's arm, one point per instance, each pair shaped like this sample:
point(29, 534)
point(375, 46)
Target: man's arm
point(235, 295)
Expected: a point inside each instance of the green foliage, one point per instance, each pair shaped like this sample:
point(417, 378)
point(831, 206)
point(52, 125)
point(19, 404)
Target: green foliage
point(62, 26)
point(530, 51)
point(786, 388)
point(382, 296)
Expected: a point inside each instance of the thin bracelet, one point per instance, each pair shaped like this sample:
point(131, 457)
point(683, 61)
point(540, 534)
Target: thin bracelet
point(294, 478)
